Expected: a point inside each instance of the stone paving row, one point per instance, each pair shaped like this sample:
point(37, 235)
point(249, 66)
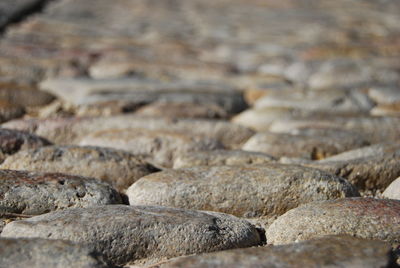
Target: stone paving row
point(199, 133)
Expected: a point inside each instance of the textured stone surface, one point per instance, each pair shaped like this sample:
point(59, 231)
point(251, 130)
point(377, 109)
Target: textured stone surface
point(308, 143)
point(38, 253)
point(71, 130)
point(162, 147)
point(12, 141)
point(125, 233)
point(37, 193)
point(369, 168)
point(220, 158)
point(360, 217)
point(248, 191)
point(331, 251)
point(393, 190)
point(119, 168)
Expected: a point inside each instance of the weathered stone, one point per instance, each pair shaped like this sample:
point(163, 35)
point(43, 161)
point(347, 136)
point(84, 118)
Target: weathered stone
point(142, 91)
point(330, 251)
point(247, 191)
point(386, 110)
point(182, 110)
point(221, 158)
point(37, 193)
point(12, 141)
point(24, 96)
point(10, 111)
point(375, 129)
point(71, 130)
point(262, 119)
point(334, 100)
point(367, 218)
point(340, 73)
point(307, 143)
point(127, 234)
point(38, 253)
point(119, 168)
point(162, 147)
point(369, 168)
point(386, 96)
point(393, 190)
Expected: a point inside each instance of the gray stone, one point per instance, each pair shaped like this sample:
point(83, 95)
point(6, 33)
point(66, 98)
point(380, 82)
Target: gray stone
point(367, 218)
point(127, 234)
point(307, 143)
point(388, 96)
point(162, 147)
point(117, 167)
point(12, 141)
point(374, 129)
point(37, 193)
point(71, 130)
point(39, 253)
point(393, 190)
point(261, 119)
point(369, 168)
point(182, 110)
point(252, 191)
point(330, 251)
point(220, 158)
point(333, 100)
point(85, 91)
point(340, 73)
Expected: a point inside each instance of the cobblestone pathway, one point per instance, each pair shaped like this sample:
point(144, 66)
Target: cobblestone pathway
point(199, 133)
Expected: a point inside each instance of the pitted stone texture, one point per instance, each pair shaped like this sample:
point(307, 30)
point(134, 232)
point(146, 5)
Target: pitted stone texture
point(330, 251)
point(162, 147)
point(248, 191)
point(126, 234)
point(393, 190)
point(37, 193)
point(220, 158)
point(72, 130)
point(182, 110)
point(117, 167)
point(367, 218)
point(369, 168)
point(39, 253)
point(12, 141)
point(307, 143)
point(375, 129)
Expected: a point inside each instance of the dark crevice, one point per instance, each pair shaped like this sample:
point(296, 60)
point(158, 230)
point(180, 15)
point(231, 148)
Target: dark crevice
point(24, 13)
